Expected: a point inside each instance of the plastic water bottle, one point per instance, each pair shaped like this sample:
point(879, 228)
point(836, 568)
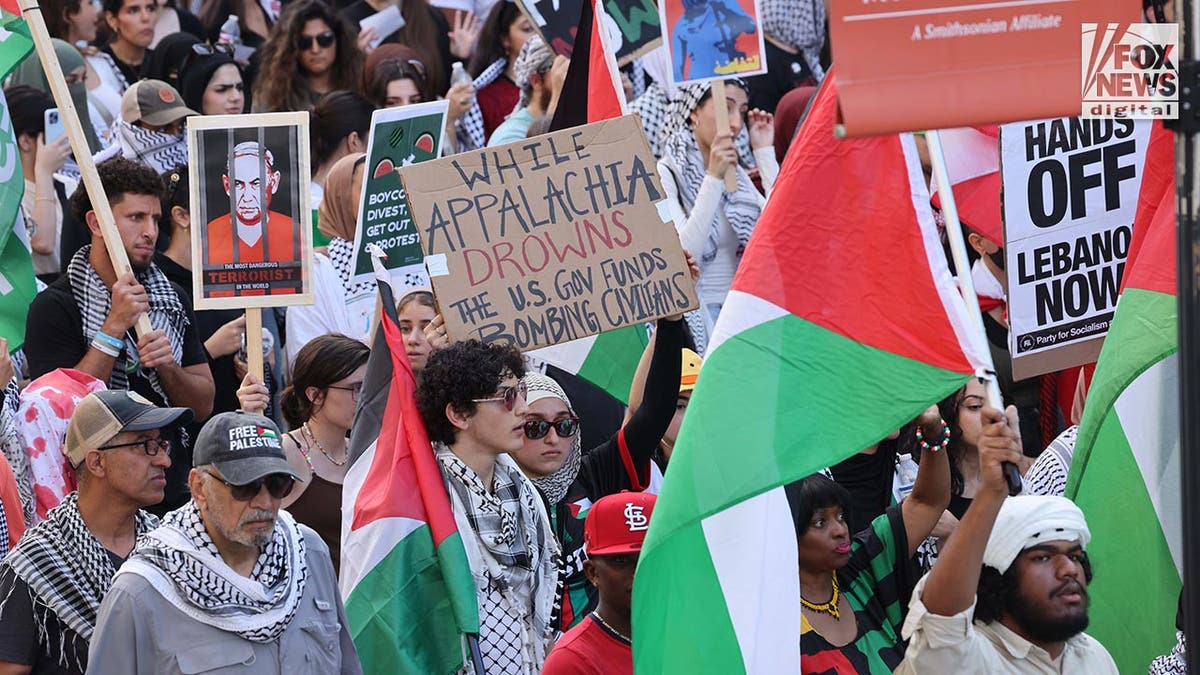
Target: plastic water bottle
point(905, 478)
point(231, 33)
point(459, 74)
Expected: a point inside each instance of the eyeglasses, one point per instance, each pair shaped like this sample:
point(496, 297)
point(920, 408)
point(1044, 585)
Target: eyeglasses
point(565, 428)
point(507, 394)
point(354, 389)
point(279, 485)
point(150, 446)
point(324, 41)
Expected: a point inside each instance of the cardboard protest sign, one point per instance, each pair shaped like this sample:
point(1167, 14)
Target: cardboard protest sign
point(1070, 189)
point(399, 137)
point(712, 39)
point(252, 224)
point(550, 239)
point(556, 21)
point(634, 26)
point(931, 64)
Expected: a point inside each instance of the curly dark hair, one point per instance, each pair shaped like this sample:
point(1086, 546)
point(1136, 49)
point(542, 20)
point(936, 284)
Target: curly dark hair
point(120, 177)
point(321, 362)
point(996, 591)
point(281, 85)
point(456, 375)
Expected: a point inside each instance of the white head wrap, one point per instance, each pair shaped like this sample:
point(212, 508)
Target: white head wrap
point(1028, 520)
point(555, 485)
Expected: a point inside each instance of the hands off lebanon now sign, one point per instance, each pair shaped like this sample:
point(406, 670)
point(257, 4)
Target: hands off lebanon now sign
point(549, 239)
point(1070, 193)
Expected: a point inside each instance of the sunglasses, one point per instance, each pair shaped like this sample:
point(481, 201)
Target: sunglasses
point(150, 446)
point(508, 395)
point(279, 485)
point(324, 41)
point(565, 428)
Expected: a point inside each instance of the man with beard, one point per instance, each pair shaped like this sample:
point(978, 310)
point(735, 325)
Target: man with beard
point(540, 74)
point(85, 319)
point(229, 581)
point(1009, 591)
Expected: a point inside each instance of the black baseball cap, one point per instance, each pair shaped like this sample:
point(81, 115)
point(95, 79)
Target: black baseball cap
point(243, 447)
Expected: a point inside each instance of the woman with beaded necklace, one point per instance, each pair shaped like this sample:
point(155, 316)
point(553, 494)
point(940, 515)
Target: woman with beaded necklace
point(318, 406)
point(854, 587)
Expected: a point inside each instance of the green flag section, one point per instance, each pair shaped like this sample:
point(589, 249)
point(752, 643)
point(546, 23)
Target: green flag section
point(608, 360)
point(405, 576)
point(17, 285)
point(15, 40)
point(843, 324)
point(1125, 470)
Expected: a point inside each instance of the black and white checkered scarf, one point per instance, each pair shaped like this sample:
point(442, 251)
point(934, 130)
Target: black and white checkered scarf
point(14, 453)
point(95, 299)
point(341, 256)
point(801, 25)
point(159, 151)
point(469, 127)
point(68, 572)
point(181, 562)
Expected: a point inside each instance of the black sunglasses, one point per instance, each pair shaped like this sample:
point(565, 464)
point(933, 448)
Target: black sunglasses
point(565, 428)
point(508, 395)
point(326, 39)
point(150, 446)
point(279, 485)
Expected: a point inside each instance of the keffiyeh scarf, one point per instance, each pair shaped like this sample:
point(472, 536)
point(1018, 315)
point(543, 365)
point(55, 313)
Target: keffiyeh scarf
point(341, 255)
point(181, 562)
point(67, 570)
point(799, 24)
point(555, 485)
point(95, 299)
point(470, 131)
point(510, 545)
point(14, 454)
point(161, 152)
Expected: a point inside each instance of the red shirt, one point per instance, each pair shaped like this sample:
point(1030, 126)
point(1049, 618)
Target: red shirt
point(496, 102)
point(590, 649)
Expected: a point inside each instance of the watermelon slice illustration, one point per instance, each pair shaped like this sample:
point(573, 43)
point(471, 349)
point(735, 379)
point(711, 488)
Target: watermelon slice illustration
point(425, 142)
point(384, 167)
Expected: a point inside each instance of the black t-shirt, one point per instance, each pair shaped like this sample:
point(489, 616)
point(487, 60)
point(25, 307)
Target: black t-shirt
point(20, 641)
point(868, 479)
point(131, 73)
point(54, 339)
point(610, 468)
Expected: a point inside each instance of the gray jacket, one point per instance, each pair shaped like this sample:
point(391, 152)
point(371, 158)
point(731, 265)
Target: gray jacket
point(139, 632)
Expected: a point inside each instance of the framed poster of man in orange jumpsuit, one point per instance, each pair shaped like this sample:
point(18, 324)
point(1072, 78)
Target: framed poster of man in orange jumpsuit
point(252, 234)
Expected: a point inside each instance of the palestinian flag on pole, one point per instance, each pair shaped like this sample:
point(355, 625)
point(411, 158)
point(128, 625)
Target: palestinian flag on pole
point(17, 286)
point(843, 324)
point(405, 576)
point(1125, 470)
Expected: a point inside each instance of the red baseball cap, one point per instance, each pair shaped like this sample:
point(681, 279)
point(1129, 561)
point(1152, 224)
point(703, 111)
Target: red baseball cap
point(618, 523)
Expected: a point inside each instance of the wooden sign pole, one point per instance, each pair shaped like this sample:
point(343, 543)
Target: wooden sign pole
point(254, 342)
point(83, 154)
point(721, 108)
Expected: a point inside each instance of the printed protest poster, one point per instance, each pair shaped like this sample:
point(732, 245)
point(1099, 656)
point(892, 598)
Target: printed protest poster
point(399, 137)
point(633, 26)
point(550, 239)
point(712, 39)
point(952, 64)
point(252, 232)
point(556, 21)
point(1070, 190)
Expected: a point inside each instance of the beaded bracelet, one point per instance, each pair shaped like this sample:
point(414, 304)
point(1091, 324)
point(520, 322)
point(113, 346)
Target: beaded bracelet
point(945, 442)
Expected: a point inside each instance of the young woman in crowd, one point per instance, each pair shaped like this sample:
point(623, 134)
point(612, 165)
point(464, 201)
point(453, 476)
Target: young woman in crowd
point(168, 58)
point(310, 52)
point(75, 22)
point(130, 31)
point(394, 78)
point(92, 116)
point(318, 407)
point(500, 40)
point(853, 585)
point(714, 225)
point(212, 84)
point(339, 126)
point(425, 31)
point(41, 205)
point(416, 310)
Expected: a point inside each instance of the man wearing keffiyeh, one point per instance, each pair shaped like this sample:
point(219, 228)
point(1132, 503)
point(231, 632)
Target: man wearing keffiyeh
point(228, 582)
point(52, 583)
point(85, 319)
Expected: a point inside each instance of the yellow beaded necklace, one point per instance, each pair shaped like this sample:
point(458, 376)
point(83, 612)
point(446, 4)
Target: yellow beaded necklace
point(831, 607)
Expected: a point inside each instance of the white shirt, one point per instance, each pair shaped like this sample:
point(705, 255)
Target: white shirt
point(956, 644)
point(331, 311)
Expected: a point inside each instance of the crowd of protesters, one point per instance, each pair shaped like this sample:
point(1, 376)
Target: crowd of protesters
point(165, 510)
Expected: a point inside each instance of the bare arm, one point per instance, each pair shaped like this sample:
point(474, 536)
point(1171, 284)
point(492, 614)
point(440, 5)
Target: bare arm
point(14, 669)
point(931, 491)
point(189, 386)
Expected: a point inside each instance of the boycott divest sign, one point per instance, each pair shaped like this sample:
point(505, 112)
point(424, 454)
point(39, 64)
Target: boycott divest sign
point(1070, 193)
point(550, 239)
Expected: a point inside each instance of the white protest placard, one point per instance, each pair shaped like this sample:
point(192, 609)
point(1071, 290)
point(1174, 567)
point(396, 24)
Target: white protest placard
point(1070, 191)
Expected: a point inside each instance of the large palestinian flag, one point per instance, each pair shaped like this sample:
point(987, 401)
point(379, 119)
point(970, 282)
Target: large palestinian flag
point(1125, 470)
point(843, 324)
point(17, 286)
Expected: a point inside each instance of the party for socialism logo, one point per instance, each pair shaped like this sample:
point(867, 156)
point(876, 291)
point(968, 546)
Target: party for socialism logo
point(1130, 70)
